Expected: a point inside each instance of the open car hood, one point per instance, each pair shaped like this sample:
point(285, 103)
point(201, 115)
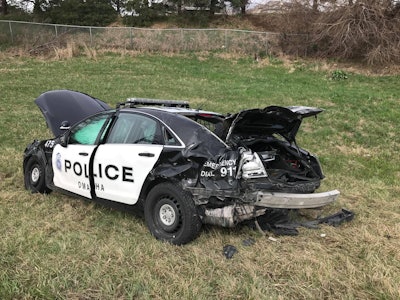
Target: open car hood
point(284, 121)
point(64, 105)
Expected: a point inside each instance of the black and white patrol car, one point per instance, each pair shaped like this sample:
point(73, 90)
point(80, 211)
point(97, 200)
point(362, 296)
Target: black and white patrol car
point(184, 167)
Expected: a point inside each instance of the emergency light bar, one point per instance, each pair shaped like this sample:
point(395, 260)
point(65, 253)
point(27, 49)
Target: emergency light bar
point(133, 102)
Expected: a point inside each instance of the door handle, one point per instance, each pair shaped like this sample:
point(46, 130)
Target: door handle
point(147, 154)
point(83, 153)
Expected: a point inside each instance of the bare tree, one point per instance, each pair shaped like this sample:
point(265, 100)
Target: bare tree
point(3, 7)
point(368, 30)
point(315, 5)
point(240, 4)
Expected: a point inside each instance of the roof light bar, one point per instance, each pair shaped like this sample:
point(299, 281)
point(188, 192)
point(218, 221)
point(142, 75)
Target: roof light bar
point(133, 102)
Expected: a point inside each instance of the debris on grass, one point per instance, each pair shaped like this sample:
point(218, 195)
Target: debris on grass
point(285, 222)
point(229, 251)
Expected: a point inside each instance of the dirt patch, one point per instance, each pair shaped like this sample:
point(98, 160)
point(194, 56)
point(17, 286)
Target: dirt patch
point(355, 150)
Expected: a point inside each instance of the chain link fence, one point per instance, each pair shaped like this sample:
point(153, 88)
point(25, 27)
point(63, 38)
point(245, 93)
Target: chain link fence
point(38, 36)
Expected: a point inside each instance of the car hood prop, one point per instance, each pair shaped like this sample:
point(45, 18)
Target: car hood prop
point(65, 105)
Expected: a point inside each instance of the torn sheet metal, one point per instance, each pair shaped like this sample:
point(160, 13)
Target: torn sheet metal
point(270, 120)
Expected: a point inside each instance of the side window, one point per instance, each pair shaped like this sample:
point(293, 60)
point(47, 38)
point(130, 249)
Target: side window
point(170, 139)
point(86, 132)
point(214, 124)
point(135, 129)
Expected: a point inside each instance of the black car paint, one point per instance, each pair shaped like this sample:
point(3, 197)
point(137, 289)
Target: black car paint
point(65, 105)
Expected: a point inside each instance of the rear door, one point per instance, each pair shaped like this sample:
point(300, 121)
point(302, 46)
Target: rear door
point(122, 164)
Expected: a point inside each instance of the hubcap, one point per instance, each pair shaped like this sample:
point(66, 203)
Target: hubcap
point(35, 174)
point(167, 214)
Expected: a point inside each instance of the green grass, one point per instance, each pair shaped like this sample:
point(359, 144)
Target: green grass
point(57, 247)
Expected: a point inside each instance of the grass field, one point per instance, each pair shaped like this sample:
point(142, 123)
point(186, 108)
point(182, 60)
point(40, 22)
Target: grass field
point(57, 247)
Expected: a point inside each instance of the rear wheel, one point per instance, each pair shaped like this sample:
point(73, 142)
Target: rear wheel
point(34, 177)
point(171, 214)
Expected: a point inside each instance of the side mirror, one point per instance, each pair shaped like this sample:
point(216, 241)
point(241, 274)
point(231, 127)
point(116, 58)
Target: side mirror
point(64, 139)
point(65, 125)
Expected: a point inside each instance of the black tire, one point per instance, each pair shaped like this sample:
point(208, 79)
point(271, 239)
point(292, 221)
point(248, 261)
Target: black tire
point(171, 214)
point(34, 177)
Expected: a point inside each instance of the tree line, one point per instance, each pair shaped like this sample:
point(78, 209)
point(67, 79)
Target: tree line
point(104, 12)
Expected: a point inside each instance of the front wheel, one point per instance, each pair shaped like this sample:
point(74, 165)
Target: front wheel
point(34, 176)
point(171, 214)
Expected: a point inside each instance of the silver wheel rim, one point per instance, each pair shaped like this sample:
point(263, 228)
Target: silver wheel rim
point(35, 174)
point(167, 214)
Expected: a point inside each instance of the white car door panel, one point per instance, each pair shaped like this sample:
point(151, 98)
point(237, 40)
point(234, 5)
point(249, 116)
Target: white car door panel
point(71, 168)
point(121, 169)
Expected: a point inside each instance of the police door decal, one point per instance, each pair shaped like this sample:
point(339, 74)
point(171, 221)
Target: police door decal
point(71, 168)
point(121, 169)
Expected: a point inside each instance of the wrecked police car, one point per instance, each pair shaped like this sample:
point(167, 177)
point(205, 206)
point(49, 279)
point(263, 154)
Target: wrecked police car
point(184, 167)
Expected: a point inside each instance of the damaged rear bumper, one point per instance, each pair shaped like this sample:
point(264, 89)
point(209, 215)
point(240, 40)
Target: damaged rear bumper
point(294, 201)
point(231, 215)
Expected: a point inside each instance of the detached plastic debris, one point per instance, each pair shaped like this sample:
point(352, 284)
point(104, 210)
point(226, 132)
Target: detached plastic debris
point(229, 251)
point(276, 221)
point(336, 219)
point(279, 221)
point(248, 242)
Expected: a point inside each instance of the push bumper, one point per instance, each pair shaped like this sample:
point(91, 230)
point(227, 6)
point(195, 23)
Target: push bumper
point(294, 201)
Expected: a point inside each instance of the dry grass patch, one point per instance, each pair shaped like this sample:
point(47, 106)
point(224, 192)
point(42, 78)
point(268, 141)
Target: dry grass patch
point(73, 49)
point(357, 150)
point(67, 52)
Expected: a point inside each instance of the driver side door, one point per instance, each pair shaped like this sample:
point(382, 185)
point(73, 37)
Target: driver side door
point(71, 163)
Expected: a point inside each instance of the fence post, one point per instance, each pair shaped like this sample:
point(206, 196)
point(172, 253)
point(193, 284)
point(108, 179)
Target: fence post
point(55, 29)
point(131, 37)
point(183, 48)
point(226, 40)
point(91, 38)
point(11, 32)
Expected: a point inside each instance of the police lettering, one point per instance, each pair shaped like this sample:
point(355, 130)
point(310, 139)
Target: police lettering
point(110, 172)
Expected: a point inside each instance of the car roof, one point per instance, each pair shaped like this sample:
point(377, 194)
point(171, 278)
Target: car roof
point(185, 111)
point(172, 106)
